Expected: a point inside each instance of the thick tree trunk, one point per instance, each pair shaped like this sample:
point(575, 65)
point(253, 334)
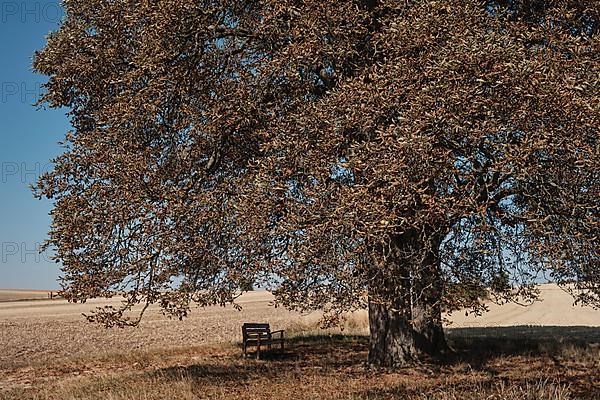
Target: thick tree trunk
point(405, 317)
point(397, 340)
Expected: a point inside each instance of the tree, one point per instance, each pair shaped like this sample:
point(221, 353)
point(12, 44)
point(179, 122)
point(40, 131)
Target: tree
point(412, 157)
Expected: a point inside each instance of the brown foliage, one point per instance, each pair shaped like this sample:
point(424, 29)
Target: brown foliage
point(412, 149)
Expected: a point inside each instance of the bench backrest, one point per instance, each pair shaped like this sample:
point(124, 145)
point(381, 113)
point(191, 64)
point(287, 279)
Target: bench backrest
point(254, 329)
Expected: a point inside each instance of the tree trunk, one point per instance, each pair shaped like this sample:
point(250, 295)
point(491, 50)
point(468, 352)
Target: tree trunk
point(397, 340)
point(405, 317)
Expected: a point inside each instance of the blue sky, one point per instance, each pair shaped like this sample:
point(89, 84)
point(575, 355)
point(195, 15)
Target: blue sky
point(28, 141)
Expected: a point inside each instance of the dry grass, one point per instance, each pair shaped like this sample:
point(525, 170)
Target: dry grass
point(551, 364)
point(49, 352)
point(320, 367)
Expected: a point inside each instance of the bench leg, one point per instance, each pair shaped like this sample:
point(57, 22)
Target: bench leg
point(258, 350)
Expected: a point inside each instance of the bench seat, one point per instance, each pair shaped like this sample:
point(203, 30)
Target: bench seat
point(260, 335)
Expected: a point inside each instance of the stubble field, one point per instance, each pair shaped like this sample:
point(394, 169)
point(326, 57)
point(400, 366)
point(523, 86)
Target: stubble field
point(48, 351)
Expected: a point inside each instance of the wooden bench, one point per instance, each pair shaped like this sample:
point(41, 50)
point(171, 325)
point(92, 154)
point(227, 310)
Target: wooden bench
point(258, 335)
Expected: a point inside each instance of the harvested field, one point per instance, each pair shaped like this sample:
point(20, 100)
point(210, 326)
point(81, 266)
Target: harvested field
point(7, 295)
point(555, 309)
point(66, 334)
point(50, 352)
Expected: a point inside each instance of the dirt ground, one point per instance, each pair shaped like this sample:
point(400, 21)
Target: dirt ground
point(41, 341)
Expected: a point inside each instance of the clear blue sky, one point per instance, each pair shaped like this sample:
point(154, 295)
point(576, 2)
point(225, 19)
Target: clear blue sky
point(28, 141)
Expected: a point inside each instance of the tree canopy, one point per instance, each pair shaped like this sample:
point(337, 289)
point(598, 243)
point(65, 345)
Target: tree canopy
point(412, 157)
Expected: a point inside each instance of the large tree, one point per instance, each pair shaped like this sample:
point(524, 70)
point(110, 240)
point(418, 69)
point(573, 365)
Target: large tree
point(409, 157)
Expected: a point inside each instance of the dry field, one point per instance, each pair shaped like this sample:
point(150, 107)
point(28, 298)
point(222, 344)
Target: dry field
point(47, 351)
point(19, 295)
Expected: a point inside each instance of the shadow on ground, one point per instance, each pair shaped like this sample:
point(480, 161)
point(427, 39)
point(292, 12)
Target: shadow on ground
point(469, 344)
point(485, 352)
point(325, 352)
point(480, 344)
